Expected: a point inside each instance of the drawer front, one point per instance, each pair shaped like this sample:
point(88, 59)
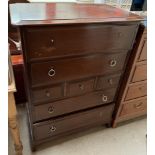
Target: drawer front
point(70, 40)
point(80, 87)
point(76, 68)
point(136, 90)
point(47, 93)
point(105, 82)
point(143, 49)
point(72, 122)
point(140, 73)
point(134, 106)
point(73, 104)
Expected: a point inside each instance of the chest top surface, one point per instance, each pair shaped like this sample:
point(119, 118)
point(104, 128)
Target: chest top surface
point(67, 13)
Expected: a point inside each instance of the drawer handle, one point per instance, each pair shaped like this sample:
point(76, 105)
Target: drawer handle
point(51, 72)
point(113, 63)
point(142, 88)
point(52, 129)
point(110, 81)
point(50, 109)
point(48, 94)
point(104, 98)
point(119, 34)
point(137, 106)
point(52, 41)
point(81, 86)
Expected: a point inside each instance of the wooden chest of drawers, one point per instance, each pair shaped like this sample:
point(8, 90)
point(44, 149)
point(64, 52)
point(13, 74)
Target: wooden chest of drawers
point(73, 67)
point(133, 102)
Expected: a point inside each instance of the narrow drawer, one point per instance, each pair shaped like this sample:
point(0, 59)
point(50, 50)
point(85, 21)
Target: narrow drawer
point(73, 40)
point(143, 48)
point(135, 106)
point(76, 68)
point(73, 122)
point(73, 104)
point(80, 87)
point(105, 82)
point(47, 93)
point(140, 73)
point(136, 90)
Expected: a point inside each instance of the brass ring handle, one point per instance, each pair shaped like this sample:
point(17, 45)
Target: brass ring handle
point(51, 72)
point(52, 128)
point(137, 106)
point(113, 63)
point(104, 98)
point(50, 109)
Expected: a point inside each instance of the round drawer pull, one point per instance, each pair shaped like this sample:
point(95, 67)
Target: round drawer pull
point(51, 72)
point(52, 129)
point(137, 106)
point(81, 86)
point(48, 94)
point(52, 41)
point(110, 81)
point(50, 110)
point(113, 63)
point(104, 98)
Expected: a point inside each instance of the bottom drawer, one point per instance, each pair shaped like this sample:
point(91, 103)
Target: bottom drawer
point(72, 122)
point(135, 106)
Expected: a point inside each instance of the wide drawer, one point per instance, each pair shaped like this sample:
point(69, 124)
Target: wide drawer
point(136, 90)
point(65, 106)
point(76, 68)
point(45, 42)
point(47, 93)
point(104, 82)
point(135, 106)
point(140, 73)
point(73, 122)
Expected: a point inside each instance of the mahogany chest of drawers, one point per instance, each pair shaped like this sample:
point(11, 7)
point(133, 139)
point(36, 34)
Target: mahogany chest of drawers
point(133, 97)
point(75, 56)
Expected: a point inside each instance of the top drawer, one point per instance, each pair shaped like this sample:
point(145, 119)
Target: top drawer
point(53, 41)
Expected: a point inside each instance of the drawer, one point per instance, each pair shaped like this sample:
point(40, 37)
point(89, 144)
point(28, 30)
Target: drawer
point(140, 73)
point(45, 42)
point(136, 90)
point(143, 49)
point(47, 93)
point(73, 104)
point(80, 87)
point(135, 106)
point(76, 68)
point(105, 82)
point(73, 122)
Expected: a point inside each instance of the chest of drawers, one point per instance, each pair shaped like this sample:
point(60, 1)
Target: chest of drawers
point(133, 102)
point(74, 64)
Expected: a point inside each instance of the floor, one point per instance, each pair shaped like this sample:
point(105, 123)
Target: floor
point(127, 139)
